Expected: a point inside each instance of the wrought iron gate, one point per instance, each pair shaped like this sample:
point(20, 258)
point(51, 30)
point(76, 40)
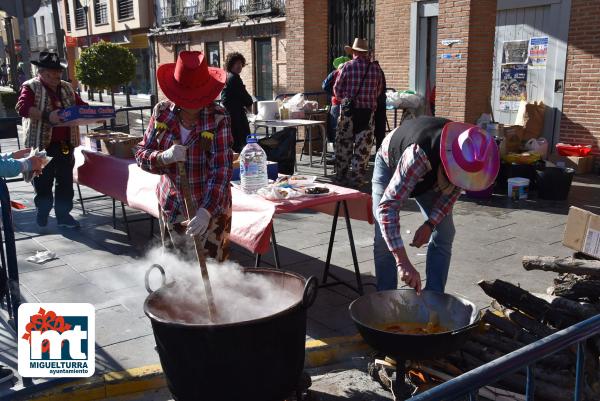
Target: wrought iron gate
point(349, 19)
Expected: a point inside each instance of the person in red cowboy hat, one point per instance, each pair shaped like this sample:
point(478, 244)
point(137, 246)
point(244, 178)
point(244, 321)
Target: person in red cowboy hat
point(432, 160)
point(189, 127)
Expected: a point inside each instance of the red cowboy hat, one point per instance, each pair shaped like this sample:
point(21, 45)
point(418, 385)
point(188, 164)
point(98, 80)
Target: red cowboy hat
point(190, 82)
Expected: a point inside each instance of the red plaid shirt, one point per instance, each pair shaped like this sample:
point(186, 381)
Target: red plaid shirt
point(208, 172)
point(348, 84)
point(413, 165)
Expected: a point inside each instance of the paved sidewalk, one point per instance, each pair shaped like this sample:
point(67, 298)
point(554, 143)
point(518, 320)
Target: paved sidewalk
point(100, 264)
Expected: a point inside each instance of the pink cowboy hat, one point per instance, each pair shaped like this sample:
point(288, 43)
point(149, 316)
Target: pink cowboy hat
point(470, 156)
point(190, 82)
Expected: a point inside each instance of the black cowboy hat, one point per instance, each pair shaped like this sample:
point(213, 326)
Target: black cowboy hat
point(50, 60)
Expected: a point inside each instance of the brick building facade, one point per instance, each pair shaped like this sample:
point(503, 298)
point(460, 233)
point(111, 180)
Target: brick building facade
point(581, 109)
point(463, 44)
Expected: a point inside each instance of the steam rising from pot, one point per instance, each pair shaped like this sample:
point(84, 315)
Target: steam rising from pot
point(239, 296)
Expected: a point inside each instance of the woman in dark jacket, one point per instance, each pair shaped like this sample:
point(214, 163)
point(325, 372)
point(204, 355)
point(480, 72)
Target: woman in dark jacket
point(236, 98)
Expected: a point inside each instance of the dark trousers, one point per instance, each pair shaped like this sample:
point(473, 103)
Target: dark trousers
point(60, 169)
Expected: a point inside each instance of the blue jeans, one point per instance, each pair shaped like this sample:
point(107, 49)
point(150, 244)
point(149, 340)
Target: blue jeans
point(334, 115)
point(439, 249)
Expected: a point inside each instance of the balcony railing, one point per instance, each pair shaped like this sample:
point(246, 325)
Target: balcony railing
point(51, 41)
point(179, 11)
point(80, 19)
point(124, 9)
point(261, 7)
point(100, 12)
point(190, 11)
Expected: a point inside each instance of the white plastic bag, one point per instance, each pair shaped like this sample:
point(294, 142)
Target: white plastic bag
point(539, 146)
point(41, 257)
point(400, 100)
point(29, 175)
point(295, 105)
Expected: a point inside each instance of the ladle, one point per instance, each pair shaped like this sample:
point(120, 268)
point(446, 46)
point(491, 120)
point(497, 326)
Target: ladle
point(200, 252)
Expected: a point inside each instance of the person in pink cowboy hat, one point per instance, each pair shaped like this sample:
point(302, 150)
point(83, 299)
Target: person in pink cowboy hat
point(431, 160)
point(189, 127)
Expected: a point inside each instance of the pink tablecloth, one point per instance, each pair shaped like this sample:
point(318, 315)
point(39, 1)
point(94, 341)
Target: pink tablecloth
point(252, 217)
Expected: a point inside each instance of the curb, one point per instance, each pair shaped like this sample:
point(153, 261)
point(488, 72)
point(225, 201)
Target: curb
point(113, 384)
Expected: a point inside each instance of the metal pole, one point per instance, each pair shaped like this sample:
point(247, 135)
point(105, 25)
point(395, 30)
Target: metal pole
point(11, 52)
point(60, 35)
point(24, 39)
point(87, 34)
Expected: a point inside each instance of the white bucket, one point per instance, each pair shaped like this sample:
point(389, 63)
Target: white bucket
point(518, 188)
point(267, 110)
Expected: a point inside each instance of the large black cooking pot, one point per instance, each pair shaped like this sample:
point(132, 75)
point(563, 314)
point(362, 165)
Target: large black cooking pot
point(374, 311)
point(256, 360)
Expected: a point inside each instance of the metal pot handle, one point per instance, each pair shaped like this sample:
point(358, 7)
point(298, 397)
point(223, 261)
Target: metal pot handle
point(147, 277)
point(310, 292)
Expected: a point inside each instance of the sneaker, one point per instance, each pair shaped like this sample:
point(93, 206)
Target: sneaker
point(6, 374)
point(42, 220)
point(68, 222)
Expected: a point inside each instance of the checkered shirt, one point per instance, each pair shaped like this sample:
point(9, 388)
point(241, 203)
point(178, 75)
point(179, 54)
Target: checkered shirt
point(208, 172)
point(412, 167)
point(348, 83)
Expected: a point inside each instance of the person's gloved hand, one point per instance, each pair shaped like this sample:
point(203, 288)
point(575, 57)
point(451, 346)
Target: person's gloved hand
point(176, 153)
point(199, 223)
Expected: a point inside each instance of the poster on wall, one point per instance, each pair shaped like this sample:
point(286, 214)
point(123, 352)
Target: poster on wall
point(515, 52)
point(513, 86)
point(538, 53)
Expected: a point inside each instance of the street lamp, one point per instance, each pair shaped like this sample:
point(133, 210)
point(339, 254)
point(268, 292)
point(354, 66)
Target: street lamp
point(86, 7)
point(87, 25)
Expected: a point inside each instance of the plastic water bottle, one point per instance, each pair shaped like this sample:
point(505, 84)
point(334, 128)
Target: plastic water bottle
point(253, 166)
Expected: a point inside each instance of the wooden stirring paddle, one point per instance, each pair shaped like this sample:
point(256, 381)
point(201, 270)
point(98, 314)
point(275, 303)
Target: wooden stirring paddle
point(200, 253)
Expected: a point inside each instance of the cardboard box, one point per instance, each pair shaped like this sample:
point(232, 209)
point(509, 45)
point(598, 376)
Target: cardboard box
point(84, 115)
point(581, 165)
point(582, 233)
point(120, 145)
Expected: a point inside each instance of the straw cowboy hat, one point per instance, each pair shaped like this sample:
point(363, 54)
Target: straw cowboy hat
point(469, 155)
point(360, 45)
point(50, 61)
point(190, 82)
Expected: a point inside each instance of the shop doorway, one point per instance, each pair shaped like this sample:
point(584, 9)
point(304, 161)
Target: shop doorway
point(543, 26)
point(349, 19)
point(264, 69)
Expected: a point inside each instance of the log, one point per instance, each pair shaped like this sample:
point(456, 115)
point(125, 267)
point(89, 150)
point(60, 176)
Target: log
point(582, 311)
point(492, 338)
point(515, 382)
point(511, 296)
point(509, 328)
point(488, 354)
point(562, 265)
point(532, 326)
point(579, 290)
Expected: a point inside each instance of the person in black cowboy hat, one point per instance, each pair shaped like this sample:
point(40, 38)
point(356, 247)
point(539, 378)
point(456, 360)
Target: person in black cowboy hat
point(40, 103)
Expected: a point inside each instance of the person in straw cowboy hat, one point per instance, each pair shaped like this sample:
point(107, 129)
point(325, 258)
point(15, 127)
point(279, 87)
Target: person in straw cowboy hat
point(189, 127)
point(430, 159)
point(358, 85)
